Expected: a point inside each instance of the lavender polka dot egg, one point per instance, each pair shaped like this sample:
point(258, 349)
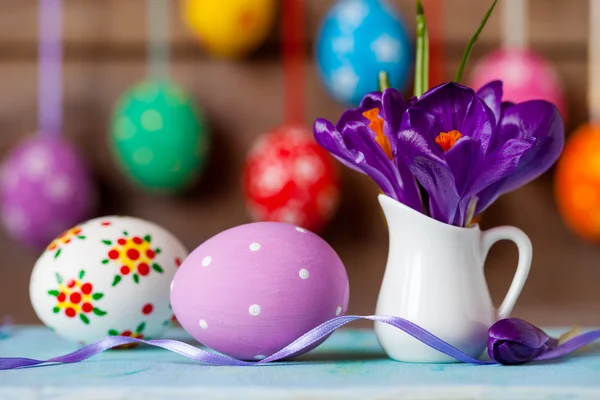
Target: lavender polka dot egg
point(251, 290)
point(46, 189)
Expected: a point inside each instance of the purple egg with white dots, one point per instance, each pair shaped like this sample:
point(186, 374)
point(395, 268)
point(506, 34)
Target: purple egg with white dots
point(46, 189)
point(251, 290)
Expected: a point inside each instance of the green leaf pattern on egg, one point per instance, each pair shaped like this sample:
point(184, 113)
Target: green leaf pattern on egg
point(158, 137)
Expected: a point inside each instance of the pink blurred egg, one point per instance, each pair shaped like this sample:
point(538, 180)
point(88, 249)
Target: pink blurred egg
point(253, 289)
point(45, 190)
point(525, 74)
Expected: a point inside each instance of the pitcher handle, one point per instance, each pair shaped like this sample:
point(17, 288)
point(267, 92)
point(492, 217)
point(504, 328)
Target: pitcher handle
point(489, 238)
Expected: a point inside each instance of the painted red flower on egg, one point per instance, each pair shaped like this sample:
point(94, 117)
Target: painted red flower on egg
point(133, 255)
point(137, 334)
point(65, 238)
point(76, 298)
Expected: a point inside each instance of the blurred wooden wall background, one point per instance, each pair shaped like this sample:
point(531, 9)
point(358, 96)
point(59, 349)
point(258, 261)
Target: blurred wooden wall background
point(105, 53)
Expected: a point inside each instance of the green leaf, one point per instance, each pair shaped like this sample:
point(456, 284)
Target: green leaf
point(57, 253)
point(471, 43)
point(59, 278)
point(383, 81)
point(113, 332)
point(106, 242)
point(125, 233)
point(422, 53)
point(55, 310)
point(157, 268)
point(140, 327)
point(97, 296)
point(53, 293)
point(105, 261)
point(98, 312)
point(81, 274)
point(136, 278)
point(148, 238)
point(85, 319)
point(81, 237)
point(116, 280)
point(157, 251)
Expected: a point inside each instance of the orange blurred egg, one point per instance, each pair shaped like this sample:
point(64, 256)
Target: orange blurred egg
point(578, 182)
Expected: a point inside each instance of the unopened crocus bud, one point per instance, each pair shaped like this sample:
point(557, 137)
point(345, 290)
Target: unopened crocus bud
point(513, 341)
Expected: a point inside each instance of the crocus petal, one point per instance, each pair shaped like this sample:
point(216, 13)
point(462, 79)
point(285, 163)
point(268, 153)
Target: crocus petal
point(465, 159)
point(393, 107)
point(454, 107)
point(359, 138)
point(331, 140)
point(417, 151)
point(500, 164)
point(479, 122)
point(491, 94)
point(514, 341)
point(392, 110)
point(371, 100)
point(351, 115)
point(538, 122)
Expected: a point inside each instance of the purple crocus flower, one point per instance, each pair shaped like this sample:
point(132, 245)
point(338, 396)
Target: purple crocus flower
point(514, 341)
point(365, 139)
point(464, 148)
point(469, 148)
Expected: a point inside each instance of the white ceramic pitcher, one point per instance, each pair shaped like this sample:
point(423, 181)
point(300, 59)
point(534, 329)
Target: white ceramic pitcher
point(434, 277)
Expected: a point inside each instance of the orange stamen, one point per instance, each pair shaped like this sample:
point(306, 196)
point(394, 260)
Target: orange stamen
point(448, 139)
point(376, 125)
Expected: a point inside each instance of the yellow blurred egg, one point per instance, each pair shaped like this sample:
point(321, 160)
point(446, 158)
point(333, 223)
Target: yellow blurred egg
point(231, 28)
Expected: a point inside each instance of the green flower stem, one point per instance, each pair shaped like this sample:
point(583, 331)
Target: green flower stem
point(422, 53)
point(383, 81)
point(471, 43)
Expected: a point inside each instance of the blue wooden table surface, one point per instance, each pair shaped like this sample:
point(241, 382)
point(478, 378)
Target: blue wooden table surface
point(350, 365)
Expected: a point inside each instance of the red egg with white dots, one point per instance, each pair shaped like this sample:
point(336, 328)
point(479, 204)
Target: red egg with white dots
point(289, 178)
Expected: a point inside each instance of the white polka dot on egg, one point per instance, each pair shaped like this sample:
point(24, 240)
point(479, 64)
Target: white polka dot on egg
point(254, 246)
point(338, 311)
point(254, 309)
point(203, 324)
point(206, 261)
point(303, 273)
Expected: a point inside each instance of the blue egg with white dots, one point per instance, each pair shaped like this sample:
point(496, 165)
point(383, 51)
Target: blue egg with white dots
point(358, 39)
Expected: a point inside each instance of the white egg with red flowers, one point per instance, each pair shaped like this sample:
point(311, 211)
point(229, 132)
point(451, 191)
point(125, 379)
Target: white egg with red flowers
point(107, 276)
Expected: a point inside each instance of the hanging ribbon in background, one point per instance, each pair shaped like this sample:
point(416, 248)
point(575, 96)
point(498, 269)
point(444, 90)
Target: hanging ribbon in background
point(158, 136)
point(158, 39)
point(47, 187)
point(435, 28)
point(293, 61)
point(594, 63)
point(511, 341)
point(288, 177)
point(50, 67)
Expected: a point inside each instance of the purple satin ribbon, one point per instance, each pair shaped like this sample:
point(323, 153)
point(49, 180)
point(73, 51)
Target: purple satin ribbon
point(50, 67)
point(290, 350)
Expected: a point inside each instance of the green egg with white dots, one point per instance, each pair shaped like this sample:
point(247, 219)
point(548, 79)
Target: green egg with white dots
point(159, 137)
